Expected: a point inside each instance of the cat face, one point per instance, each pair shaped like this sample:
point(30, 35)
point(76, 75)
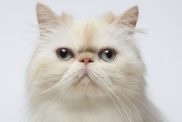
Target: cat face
point(93, 58)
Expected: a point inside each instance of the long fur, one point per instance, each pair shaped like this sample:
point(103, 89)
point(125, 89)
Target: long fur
point(115, 91)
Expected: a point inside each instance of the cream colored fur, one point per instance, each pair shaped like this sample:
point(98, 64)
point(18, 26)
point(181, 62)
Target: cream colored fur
point(115, 91)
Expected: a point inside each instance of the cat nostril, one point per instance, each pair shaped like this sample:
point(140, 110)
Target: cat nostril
point(86, 60)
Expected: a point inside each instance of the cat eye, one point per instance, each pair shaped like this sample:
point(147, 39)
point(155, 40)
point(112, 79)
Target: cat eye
point(107, 55)
point(64, 54)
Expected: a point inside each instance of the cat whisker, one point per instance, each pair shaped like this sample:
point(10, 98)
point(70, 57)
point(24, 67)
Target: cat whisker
point(115, 91)
point(68, 78)
point(57, 97)
point(119, 101)
point(114, 97)
point(130, 103)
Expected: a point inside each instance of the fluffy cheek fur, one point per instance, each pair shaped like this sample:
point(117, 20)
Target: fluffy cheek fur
point(112, 92)
point(49, 77)
point(124, 76)
point(54, 84)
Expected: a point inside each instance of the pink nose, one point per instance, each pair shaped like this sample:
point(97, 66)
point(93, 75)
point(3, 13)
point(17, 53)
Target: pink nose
point(86, 60)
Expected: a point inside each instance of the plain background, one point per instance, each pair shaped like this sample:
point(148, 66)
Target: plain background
point(161, 48)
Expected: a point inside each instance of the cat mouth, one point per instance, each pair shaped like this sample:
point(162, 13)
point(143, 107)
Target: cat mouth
point(85, 80)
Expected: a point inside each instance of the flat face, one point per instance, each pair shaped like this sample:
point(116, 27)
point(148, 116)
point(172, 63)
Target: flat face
point(86, 58)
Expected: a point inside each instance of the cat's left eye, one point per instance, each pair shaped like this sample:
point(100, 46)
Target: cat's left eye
point(107, 55)
point(64, 54)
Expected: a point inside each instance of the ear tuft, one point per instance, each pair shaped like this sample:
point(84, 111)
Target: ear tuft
point(46, 17)
point(128, 18)
point(109, 17)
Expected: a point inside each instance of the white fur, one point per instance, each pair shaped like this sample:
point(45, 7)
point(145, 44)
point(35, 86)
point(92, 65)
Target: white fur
point(120, 92)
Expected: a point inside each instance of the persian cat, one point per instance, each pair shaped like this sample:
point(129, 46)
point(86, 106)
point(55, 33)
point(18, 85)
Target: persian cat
point(88, 70)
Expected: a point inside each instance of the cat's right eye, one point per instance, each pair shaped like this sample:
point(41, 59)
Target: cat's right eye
point(107, 55)
point(64, 54)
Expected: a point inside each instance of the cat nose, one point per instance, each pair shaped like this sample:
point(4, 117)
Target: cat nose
point(86, 60)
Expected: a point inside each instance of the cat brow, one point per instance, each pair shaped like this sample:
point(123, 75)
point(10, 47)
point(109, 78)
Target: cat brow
point(89, 49)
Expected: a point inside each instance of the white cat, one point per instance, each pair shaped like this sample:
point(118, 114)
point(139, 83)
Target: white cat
point(88, 71)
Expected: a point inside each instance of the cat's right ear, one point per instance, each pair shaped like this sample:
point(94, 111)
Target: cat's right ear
point(46, 17)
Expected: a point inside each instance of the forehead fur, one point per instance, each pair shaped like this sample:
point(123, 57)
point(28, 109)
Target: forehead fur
point(86, 32)
point(89, 30)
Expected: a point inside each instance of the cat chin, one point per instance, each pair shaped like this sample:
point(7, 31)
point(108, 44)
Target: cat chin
point(84, 97)
point(86, 87)
point(84, 82)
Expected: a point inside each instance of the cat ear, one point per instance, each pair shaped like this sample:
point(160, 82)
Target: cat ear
point(46, 17)
point(128, 18)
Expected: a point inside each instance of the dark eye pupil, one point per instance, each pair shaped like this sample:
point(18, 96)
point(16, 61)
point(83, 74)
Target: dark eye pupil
point(63, 53)
point(108, 53)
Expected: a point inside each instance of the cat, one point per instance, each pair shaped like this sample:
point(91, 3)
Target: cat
point(88, 70)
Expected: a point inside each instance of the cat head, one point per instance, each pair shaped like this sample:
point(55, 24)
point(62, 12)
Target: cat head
point(93, 57)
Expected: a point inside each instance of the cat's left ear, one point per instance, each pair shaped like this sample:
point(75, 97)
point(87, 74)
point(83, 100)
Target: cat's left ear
point(128, 18)
point(46, 17)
